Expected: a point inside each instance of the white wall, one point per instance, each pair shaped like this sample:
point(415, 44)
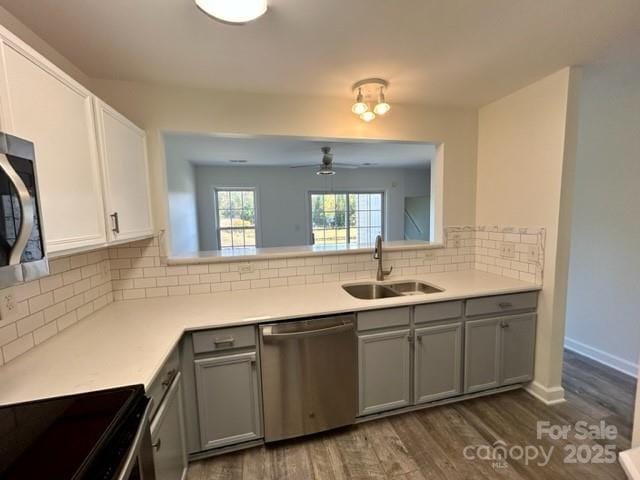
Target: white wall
point(283, 197)
point(526, 144)
point(603, 309)
point(182, 203)
point(161, 108)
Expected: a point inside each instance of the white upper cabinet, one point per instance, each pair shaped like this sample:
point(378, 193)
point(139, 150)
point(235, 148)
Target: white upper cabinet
point(42, 104)
point(125, 175)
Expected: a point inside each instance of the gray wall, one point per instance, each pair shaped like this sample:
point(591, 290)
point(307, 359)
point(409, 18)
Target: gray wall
point(603, 308)
point(183, 217)
point(283, 202)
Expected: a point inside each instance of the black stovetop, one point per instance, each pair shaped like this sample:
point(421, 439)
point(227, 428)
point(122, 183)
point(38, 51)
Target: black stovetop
point(70, 437)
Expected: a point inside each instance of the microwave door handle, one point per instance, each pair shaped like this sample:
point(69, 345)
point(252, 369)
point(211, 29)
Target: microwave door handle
point(27, 210)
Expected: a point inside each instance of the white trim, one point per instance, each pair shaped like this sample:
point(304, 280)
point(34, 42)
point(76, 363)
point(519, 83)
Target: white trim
point(548, 396)
point(600, 356)
point(630, 461)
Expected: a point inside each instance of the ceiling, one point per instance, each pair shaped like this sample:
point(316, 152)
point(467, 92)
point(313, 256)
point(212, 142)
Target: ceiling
point(279, 151)
point(461, 52)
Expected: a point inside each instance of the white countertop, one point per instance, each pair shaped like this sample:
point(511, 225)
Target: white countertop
point(127, 342)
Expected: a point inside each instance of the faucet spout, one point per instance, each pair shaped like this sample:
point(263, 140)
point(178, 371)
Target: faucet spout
point(377, 255)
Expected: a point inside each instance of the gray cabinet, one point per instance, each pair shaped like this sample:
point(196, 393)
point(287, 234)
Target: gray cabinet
point(228, 399)
point(438, 362)
point(384, 365)
point(167, 435)
point(482, 355)
point(499, 351)
point(517, 348)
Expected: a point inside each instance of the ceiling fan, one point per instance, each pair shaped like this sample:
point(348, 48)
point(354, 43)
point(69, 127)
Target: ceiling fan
point(327, 166)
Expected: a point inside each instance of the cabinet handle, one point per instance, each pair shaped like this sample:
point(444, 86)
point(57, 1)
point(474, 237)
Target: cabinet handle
point(157, 445)
point(504, 305)
point(115, 222)
point(167, 381)
point(224, 341)
point(504, 324)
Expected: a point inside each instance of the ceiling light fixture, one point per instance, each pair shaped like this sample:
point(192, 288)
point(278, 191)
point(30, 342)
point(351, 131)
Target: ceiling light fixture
point(359, 107)
point(370, 91)
point(235, 12)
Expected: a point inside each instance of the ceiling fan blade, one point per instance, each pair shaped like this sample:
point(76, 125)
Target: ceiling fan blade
point(303, 166)
point(345, 165)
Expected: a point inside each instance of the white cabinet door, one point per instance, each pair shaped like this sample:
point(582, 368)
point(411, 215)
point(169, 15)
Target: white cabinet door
point(126, 180)
point(42, 104)
point(384, 371)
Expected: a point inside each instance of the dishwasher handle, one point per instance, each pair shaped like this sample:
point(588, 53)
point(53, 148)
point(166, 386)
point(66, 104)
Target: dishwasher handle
point(269, 333)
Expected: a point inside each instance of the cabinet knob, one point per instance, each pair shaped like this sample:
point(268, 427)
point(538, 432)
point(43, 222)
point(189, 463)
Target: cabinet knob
point(157, 445)
point(504, 324)
point(505, 305)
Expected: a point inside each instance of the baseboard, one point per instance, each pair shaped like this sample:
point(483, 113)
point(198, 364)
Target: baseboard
point(600, 356)
point(548, 396)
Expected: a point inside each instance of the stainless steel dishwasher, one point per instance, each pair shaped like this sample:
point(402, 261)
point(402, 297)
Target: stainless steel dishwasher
point(308, 376)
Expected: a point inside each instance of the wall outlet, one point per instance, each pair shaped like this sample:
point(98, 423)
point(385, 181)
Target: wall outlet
point(508, 250)
point(245, 267)
point(532, 253)
point(8, 305)
point(455, 241)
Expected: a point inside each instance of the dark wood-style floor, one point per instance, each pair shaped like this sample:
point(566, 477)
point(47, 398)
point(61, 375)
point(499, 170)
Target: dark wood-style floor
point(429, 444)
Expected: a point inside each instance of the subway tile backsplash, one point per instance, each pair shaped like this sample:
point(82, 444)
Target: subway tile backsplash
point(81, 284)
point(76, 287)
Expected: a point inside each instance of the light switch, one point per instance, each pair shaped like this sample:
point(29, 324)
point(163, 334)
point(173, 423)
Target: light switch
point(508, 250)
point(245, 267)
point(8, 304)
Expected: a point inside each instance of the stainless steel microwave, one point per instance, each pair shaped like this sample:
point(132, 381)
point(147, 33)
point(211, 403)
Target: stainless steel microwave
point(22, 247)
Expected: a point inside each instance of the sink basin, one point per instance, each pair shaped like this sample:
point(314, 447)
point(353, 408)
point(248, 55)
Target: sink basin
point(413, 288)
point(370, 291)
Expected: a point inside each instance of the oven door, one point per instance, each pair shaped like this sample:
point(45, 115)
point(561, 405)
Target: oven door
point(22, 253)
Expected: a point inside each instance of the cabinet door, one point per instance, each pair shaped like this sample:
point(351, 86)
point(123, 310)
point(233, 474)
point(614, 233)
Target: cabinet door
point(438, 362)
point(228, 401)
point(167, 435)
point(384, 375)
point(45, 106)
point(126, 178)
point(482, 355)
point(517, 347)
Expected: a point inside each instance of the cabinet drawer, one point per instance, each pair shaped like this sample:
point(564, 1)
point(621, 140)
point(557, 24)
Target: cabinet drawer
point(437, 311)
point(224, 339)
point(163, 380)
point(502, 303)
point(390, 317)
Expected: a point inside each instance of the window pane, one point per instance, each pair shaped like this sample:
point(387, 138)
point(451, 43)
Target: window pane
point(236, 218)
point(225, 239)
point(340, 218)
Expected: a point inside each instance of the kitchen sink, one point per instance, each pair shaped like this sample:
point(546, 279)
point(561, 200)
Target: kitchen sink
point(413, 288)
point(372, 291)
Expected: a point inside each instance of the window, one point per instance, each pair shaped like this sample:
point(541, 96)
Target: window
point(339, 218)
point(236, 214)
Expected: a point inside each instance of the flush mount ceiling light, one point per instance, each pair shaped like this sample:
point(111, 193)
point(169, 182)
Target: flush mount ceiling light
point(235, 12)
point(370, 92)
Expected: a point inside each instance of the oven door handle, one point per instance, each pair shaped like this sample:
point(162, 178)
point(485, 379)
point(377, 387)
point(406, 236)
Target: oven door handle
point(132, 455)
point(27, 210)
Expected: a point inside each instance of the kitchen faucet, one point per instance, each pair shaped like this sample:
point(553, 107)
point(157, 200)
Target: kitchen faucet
point(377, 255)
